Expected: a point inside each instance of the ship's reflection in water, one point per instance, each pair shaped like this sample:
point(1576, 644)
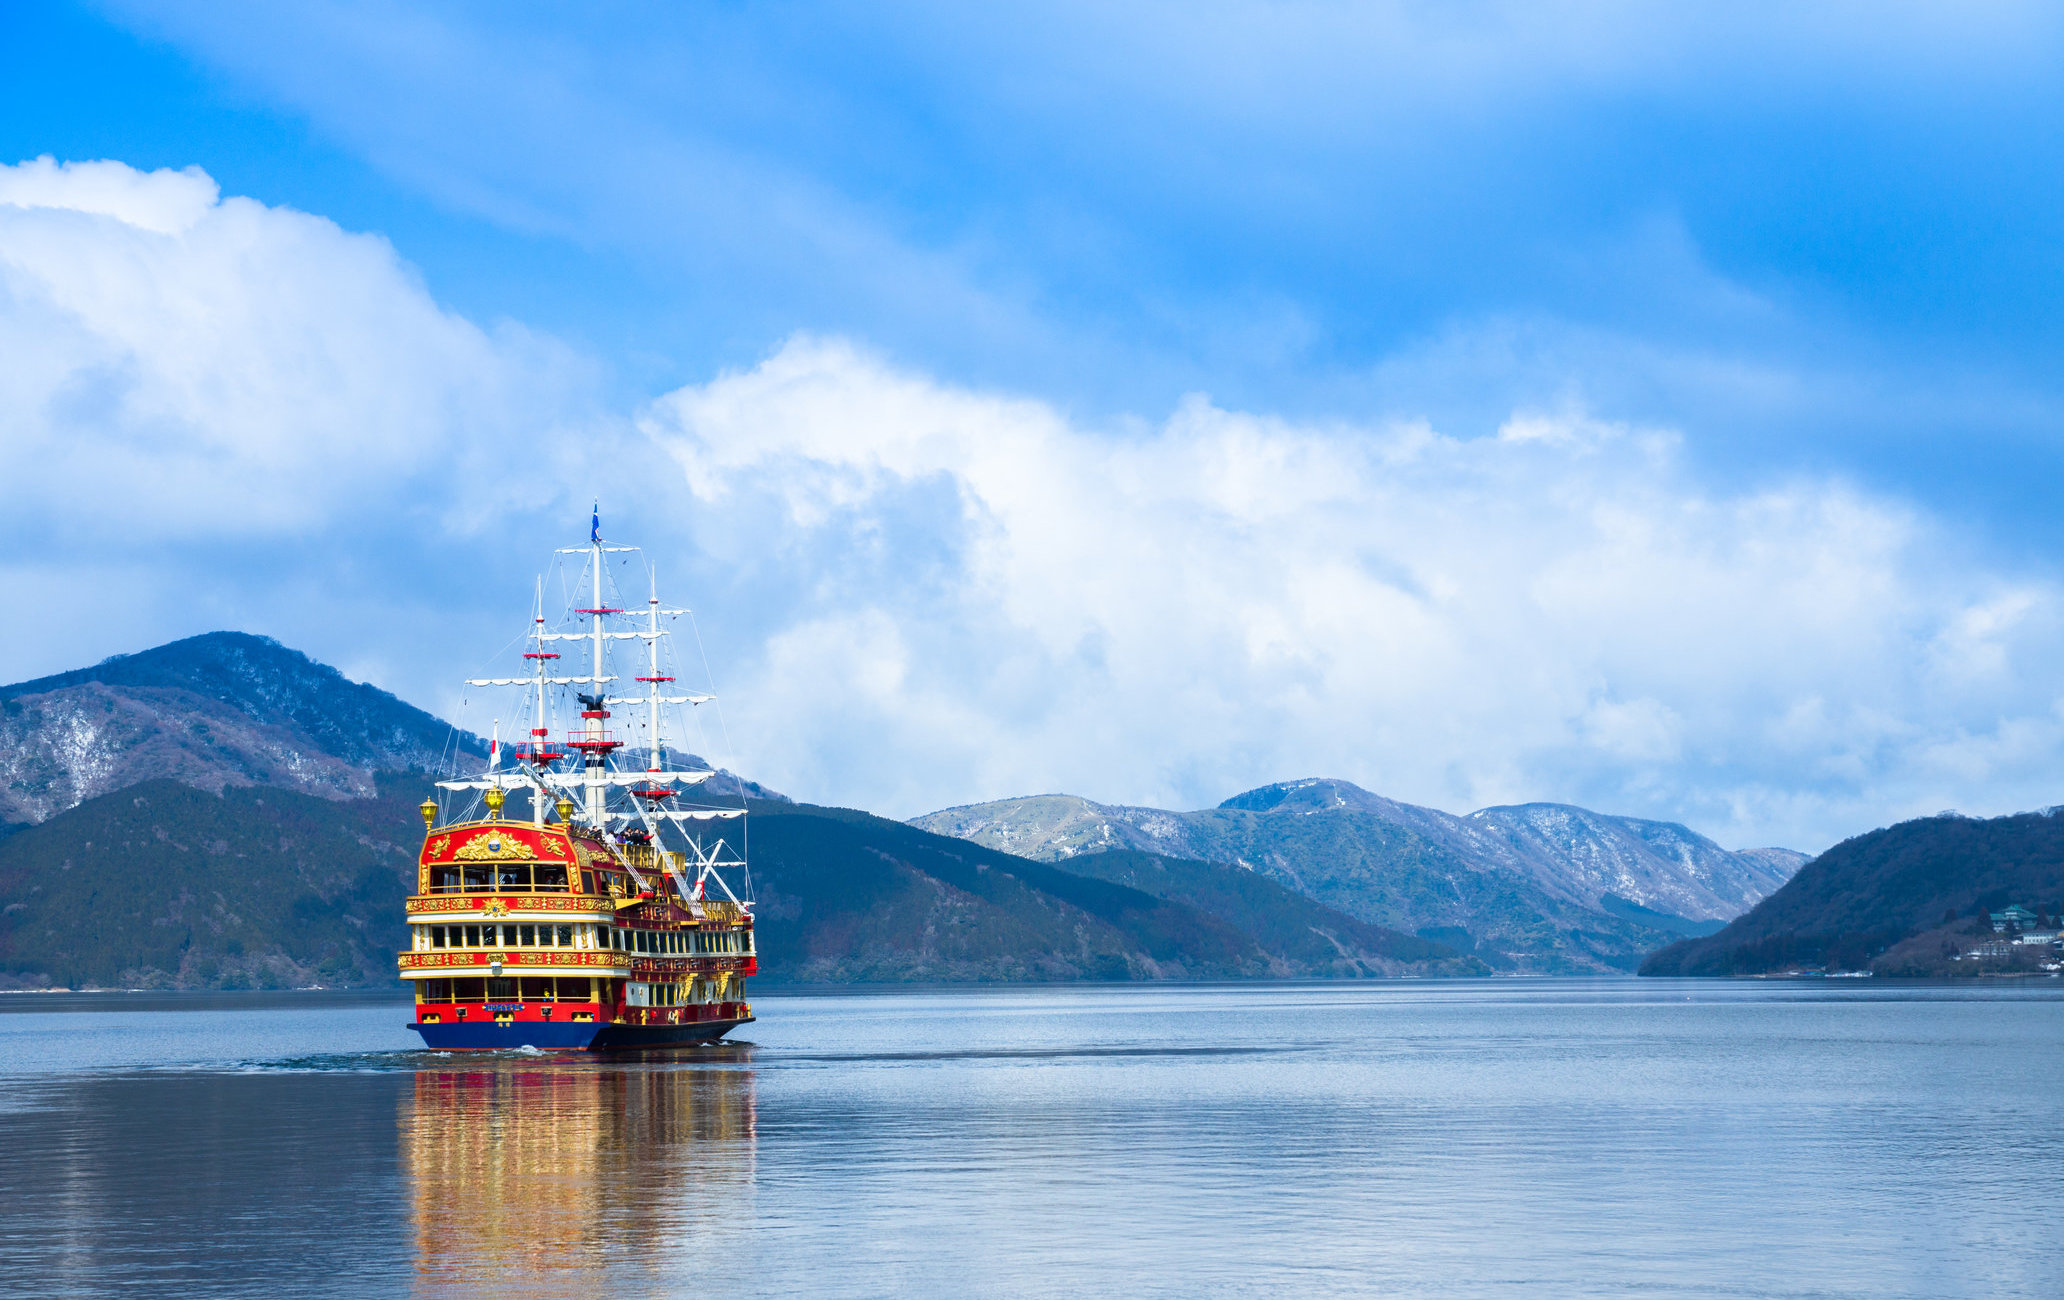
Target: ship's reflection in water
point(544, 1176)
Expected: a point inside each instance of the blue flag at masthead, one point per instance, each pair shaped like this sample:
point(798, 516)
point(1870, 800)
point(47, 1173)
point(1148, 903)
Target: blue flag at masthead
point(595, 526)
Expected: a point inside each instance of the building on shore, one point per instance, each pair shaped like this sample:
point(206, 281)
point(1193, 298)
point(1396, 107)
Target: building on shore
point(2013, 920)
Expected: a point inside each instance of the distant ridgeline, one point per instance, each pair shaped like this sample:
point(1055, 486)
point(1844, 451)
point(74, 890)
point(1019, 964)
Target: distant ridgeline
point(224, 812)
point(1910, 900)
point(848, 896)
point(1532, 888)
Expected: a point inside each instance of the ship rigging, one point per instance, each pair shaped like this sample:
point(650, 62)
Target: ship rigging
point(607, 917)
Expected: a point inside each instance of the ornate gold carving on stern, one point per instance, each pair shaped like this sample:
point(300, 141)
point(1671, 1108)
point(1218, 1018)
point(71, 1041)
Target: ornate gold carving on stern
point(495, 842)
point(490, 846)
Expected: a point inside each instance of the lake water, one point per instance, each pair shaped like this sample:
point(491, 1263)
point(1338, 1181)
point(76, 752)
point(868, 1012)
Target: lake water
point(1495, 1138)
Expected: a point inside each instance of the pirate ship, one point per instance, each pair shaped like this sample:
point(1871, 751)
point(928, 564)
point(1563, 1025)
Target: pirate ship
point(603, 919)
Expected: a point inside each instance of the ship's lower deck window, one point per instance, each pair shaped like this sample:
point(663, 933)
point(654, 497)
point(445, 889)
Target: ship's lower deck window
point(694, 992)
point(642, 994)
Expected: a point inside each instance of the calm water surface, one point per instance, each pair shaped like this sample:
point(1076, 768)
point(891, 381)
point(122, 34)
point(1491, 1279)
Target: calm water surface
point(1611, 1138)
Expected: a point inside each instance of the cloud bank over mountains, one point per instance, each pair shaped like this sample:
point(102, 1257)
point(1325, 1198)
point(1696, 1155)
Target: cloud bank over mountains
point(921, 593)
point(1178, 610)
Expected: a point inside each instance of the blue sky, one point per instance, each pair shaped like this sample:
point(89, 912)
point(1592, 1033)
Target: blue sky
point(1706, 258)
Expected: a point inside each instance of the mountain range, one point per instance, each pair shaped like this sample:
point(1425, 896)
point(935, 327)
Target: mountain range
point(226, 812)
point(1531, 888)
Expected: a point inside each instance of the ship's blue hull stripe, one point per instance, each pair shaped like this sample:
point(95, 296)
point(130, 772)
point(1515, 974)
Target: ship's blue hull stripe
point(477, 1036)
point(565, 1036)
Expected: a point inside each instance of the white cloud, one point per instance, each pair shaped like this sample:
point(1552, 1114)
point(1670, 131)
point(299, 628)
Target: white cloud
point(193, 367)
point(164, 201)
point(999, 602)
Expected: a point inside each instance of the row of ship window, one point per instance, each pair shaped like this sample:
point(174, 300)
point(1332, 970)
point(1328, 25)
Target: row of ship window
point(686, 943)
point(672, 943)
point(506, 936)
point(530, 988)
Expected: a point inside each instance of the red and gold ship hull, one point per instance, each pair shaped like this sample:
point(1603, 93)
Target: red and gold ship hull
point(525, 936)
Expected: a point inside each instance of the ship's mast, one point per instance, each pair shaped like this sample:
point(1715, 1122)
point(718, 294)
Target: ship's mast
point(538, 726)
point(656, 759)
point(597, 784)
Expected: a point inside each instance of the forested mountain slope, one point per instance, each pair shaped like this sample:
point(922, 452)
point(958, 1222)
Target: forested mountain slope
point(1849, 907)
point(161, 885)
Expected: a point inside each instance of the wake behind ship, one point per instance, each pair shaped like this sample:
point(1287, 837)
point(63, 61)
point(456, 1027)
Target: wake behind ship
point(603, 919)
